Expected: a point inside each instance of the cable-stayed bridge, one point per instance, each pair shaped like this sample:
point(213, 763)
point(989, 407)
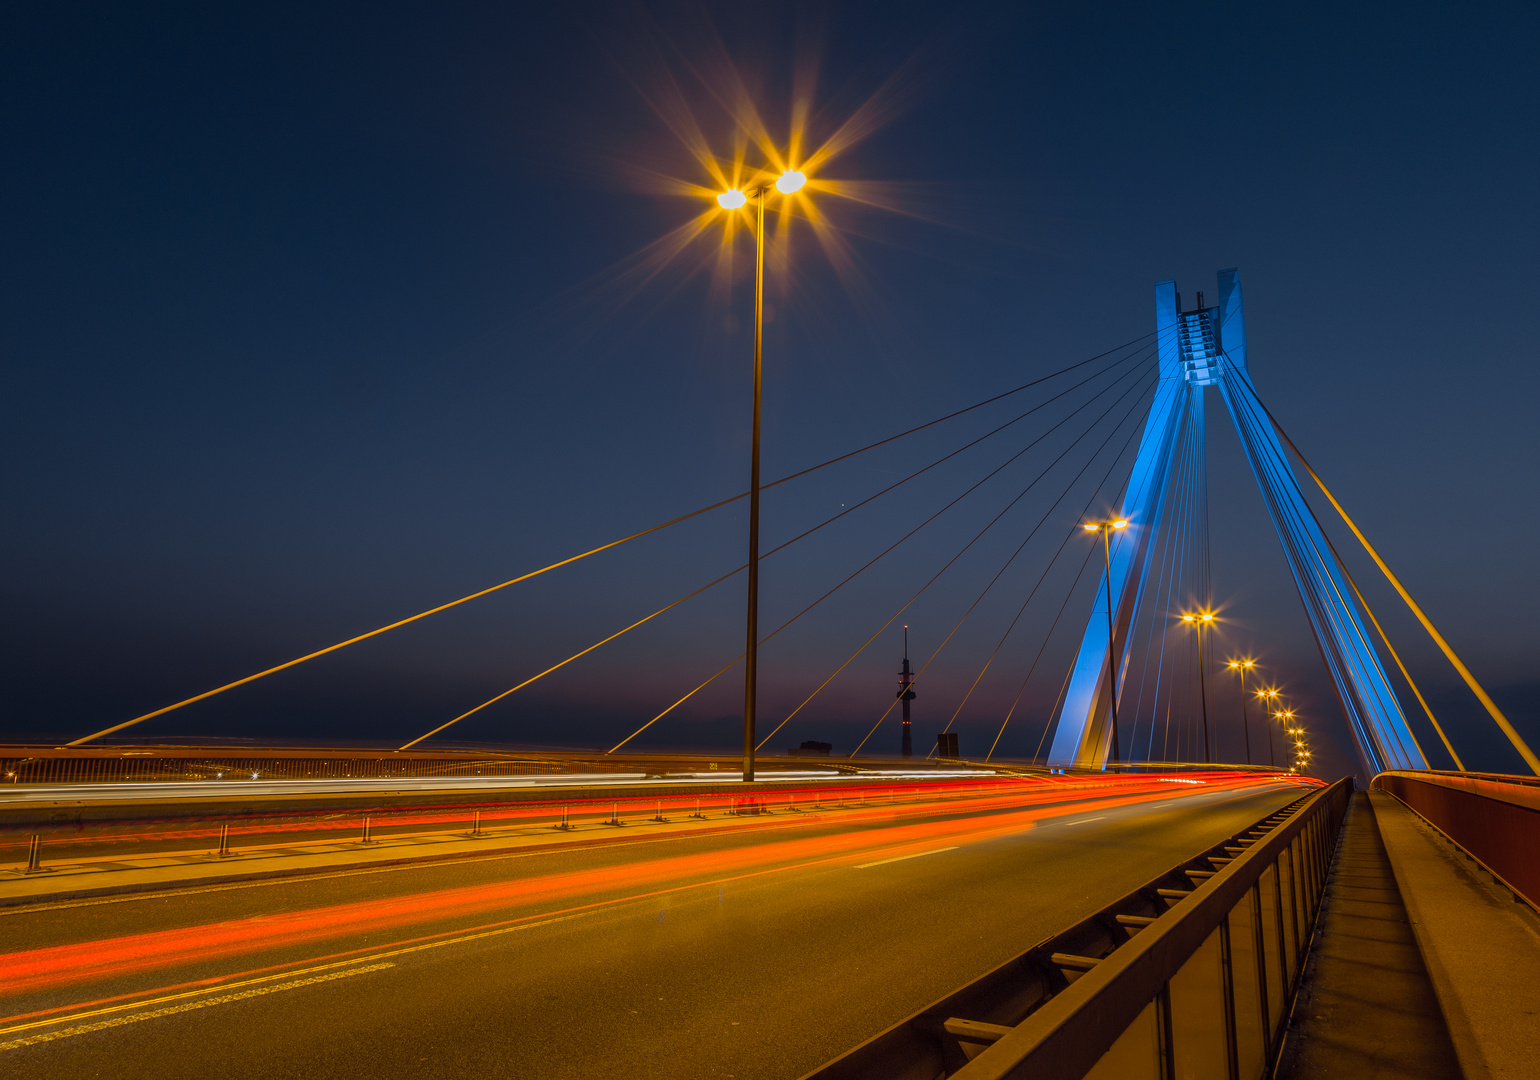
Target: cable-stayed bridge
point(429, 877)
point(1123, 429)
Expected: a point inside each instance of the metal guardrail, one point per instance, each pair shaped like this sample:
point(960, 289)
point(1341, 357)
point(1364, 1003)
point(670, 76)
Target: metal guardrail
point(1189, 976)
point(1495, 818)
point(161, 764)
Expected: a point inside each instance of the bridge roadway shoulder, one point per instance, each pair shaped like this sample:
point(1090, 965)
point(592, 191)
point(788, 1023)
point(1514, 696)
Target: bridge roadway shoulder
point(1481, 946)
point(85, 878)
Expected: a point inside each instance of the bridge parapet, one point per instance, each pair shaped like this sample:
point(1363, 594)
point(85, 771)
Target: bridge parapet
point(1191, 975)
point(1493, 817)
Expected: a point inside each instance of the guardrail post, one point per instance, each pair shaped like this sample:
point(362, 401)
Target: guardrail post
point(34, 855)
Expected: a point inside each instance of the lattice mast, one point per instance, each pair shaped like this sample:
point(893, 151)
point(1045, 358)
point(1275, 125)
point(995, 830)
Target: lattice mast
point(905, 696)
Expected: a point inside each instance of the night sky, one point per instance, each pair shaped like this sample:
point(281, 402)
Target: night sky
point(315, 316)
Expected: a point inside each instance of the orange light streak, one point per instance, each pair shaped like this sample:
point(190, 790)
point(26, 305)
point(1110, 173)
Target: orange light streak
point(57, 966)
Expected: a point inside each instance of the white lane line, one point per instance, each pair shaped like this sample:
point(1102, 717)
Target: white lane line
point(1082, 821)
point(186, 1006)
point(403, 951)
point(901, 858)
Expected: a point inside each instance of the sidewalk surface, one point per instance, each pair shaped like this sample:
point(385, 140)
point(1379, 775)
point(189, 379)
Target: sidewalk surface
point(1366, 1007)
point(1480, 945)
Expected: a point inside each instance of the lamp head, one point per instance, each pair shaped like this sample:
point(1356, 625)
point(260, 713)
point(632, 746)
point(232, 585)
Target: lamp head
point(1120, 523)
point(789, 181)
point(732, 200)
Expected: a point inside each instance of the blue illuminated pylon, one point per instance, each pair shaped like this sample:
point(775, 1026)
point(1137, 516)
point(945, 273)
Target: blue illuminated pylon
point(1197, 349)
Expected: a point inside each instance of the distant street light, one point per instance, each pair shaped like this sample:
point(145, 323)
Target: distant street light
point(1201, 620)
point(1106, 528)
point(1270, 702)
point(734, 199)
point(1243, 666)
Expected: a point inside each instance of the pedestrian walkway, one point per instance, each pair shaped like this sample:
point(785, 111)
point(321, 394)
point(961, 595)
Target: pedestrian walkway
point(1366, 1008)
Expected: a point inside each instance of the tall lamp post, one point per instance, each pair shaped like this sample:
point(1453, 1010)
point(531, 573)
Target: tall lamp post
point(1106, 528)
point(1243, 666)
point(1200, 620)
point(735, 199)
point(1269, 703)
point(1285, 717)
point(1301, 748)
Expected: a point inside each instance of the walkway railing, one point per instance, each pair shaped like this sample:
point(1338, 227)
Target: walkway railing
point(1495, 818)
point(1191, 975)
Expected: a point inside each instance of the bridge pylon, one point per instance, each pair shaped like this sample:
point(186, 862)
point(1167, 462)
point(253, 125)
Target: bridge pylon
point(1203, 347)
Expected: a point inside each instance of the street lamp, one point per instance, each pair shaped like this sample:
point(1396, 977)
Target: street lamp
point(1269, 698)
point(1243, 666)
point(734, 199)
point(1106, 528)
point(1200, 620)
point(1287, 717)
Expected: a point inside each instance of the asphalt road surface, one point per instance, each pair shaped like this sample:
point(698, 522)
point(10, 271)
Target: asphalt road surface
point(754, 954)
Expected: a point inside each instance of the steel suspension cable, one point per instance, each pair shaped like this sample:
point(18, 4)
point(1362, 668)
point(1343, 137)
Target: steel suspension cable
point(1019, 611)
point(581, 556)
point(1407, 675)
point(943, 570)
point(1184, 580)
point(1476, 688)
point(1063, 687)
point(1168, 510)
point(986, 528)
point(1361, 635)
point(1072, 533)
point(1070, 670)
point(1176, 516)
point(1362, 726)
point(1163, 525)
point(772, 551)
point(727, 667)
point(1048, 724)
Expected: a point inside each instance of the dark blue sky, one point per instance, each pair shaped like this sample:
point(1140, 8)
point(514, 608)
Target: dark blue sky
point(312, 320)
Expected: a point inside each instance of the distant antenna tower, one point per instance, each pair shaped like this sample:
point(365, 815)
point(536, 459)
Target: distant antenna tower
point(906, 695)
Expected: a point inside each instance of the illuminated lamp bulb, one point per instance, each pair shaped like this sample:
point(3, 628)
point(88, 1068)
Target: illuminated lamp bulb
point(790, 181)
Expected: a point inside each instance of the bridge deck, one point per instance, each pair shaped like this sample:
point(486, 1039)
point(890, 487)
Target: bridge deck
point(1367, 1007)
point(1423, 965)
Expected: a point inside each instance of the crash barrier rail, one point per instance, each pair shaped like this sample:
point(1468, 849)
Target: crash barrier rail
point(109, 765)
point(39, 765)
point(1494, 818)
point(71, 835)
point(1191, 975)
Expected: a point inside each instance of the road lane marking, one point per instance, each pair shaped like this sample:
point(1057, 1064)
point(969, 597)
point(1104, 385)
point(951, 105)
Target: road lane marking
point(186, 1006)
point(901, 858)
point(288, 975)
point(486, 932)
point(1082, 821)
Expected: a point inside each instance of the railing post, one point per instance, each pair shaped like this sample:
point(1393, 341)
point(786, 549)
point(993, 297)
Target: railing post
point(35, 855)
point(1227, 992)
